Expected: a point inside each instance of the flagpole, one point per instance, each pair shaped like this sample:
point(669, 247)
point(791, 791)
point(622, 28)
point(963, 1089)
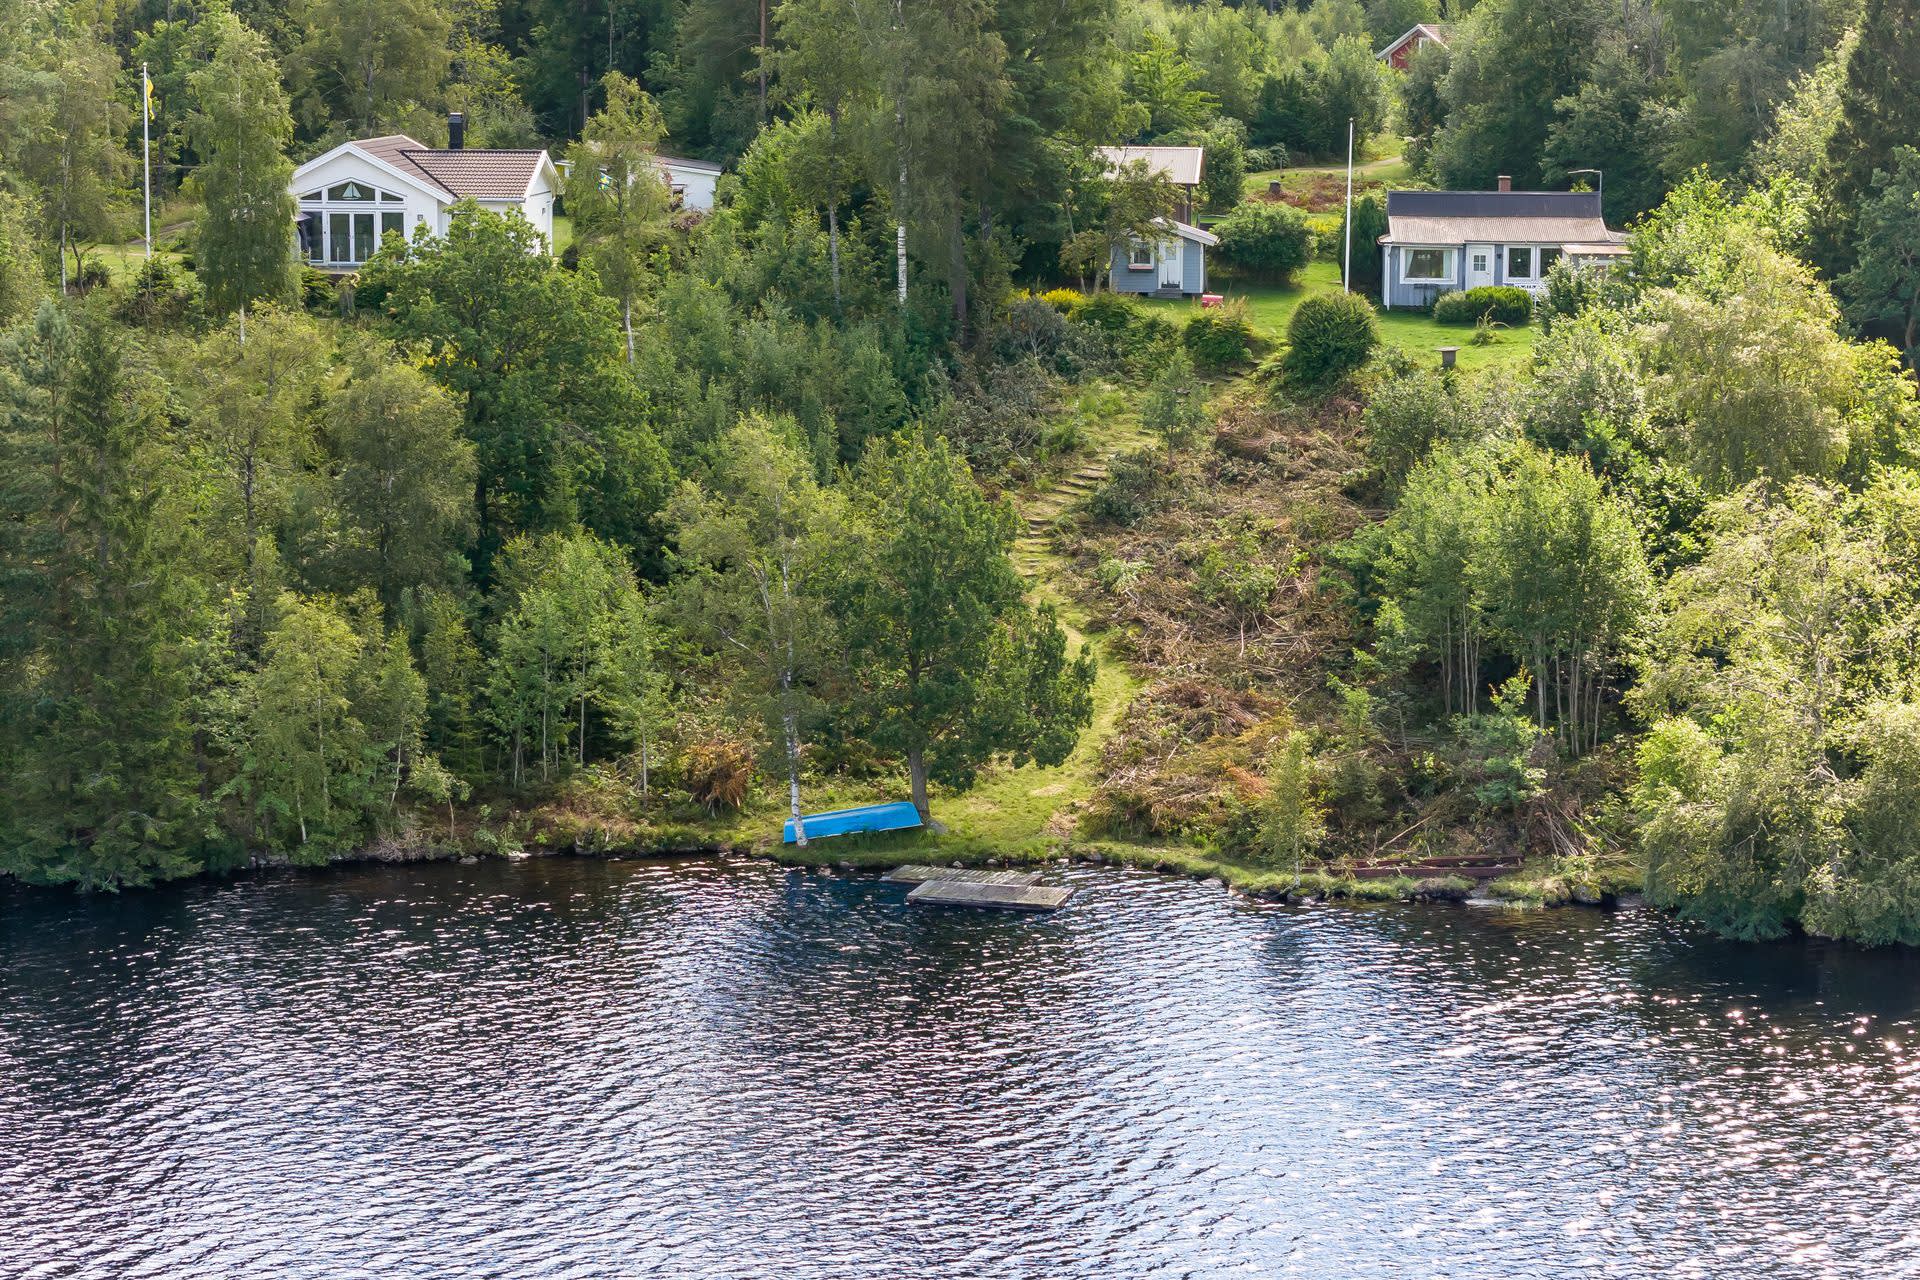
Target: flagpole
point(146, 153)
point(1346, 263)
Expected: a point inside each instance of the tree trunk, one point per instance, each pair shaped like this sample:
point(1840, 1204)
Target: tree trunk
point(957, 277)
point(793, 778)
point(917, 776)
point(762, 60)
point(833, 249)
point(627, 315)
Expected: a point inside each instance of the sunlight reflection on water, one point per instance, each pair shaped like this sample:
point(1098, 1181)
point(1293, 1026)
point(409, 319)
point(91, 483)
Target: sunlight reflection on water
point(575, 1068)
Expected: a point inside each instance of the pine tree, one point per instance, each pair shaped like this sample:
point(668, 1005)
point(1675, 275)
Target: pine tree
point(951, 665)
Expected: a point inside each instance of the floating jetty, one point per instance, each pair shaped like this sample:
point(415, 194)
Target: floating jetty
point(916, 874)
point(957, 887)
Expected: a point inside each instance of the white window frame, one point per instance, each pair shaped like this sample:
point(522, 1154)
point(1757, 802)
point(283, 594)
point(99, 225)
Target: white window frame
point(1446, 252)
point(381, 203)
point(1533, 263)
point(1135, 262)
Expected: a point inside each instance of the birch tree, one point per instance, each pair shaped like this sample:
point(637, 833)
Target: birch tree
point(758, 544)
point(240, 128)
point(616, 194)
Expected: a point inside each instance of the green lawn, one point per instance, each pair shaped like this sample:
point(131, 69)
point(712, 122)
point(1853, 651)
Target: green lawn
point(1414, 331)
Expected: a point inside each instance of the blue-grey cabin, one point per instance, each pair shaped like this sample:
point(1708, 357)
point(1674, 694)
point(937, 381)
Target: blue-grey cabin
point(1173, 264)
point(1439, 241)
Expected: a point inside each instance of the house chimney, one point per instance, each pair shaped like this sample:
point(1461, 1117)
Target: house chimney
point(456, 130)
point(1506, 182)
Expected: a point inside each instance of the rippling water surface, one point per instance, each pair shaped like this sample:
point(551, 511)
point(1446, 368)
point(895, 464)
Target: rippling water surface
point(571, 1068)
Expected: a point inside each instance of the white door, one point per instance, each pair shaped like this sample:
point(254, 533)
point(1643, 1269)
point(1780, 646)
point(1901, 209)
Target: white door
point(1479, 265)
point(1171, 274)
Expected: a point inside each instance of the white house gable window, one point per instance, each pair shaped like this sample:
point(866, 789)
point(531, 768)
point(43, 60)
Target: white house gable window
point(343, 225)
point(1427, 266)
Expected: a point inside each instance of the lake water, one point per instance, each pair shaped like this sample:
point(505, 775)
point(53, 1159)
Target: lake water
point(573, 1068)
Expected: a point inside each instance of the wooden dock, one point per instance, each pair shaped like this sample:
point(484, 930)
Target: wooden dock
point(917, 874)
point(975, 893)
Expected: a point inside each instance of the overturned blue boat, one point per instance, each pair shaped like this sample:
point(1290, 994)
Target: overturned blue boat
point(896, 816)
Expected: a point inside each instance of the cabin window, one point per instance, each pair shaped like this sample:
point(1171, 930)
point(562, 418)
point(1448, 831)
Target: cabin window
point(346, 222)
point(1547, 258)
point(1427, 266)
point(1140, 257)
point(1519, 262)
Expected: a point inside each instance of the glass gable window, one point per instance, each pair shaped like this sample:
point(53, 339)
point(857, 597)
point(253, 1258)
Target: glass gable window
point(1427, 266)
point(337, 228)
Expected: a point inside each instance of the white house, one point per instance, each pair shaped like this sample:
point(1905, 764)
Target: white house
point(1439, 241)
point(691, 181)
point(354, 194)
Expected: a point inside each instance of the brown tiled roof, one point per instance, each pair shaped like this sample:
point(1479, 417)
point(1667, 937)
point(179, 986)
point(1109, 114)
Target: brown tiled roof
point(480, 173)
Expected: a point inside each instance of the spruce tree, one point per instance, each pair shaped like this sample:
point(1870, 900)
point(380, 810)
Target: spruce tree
point(1879, 111)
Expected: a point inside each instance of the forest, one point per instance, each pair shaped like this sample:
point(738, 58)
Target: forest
point(684, 522)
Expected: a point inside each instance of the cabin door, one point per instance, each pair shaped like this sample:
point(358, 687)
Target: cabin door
point(1172, 276)
point(1479, 265)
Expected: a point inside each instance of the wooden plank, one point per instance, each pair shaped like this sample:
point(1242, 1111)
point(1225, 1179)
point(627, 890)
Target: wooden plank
point(916, 874)
point(1007, 897)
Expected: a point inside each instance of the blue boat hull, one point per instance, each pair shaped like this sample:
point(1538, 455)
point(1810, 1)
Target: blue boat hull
point(897, 816)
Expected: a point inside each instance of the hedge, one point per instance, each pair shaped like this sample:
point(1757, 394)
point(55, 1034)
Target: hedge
point(1503, 304)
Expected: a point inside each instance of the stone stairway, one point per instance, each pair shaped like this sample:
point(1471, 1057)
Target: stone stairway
point(1043, 510)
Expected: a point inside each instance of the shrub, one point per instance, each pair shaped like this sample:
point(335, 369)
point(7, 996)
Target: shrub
point(1369, 224)
point(1265, 241)
point(1502, 303)
point(1034, 329)
point(717, 774)
point(1133, 339)
point(1065, 301)
point(1330, 336)
point(1263, 158)
point(1133, 489)
point(1220, 337)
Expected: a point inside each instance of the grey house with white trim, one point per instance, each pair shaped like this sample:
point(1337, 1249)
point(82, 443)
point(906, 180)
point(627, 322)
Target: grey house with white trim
point(1439, 241)
point(1175, 265)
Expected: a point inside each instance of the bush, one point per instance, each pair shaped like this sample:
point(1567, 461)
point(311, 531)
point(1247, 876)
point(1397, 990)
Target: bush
point(1369, 224)
point(1502, 303)
point(1220, 337)
point(1133, 488)
point(1133, 339)
point(1330, 336)
point(1265, 241)
point(1109, 312)
point(1034, 329)
point(1263, 158)
point(1065, 301)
